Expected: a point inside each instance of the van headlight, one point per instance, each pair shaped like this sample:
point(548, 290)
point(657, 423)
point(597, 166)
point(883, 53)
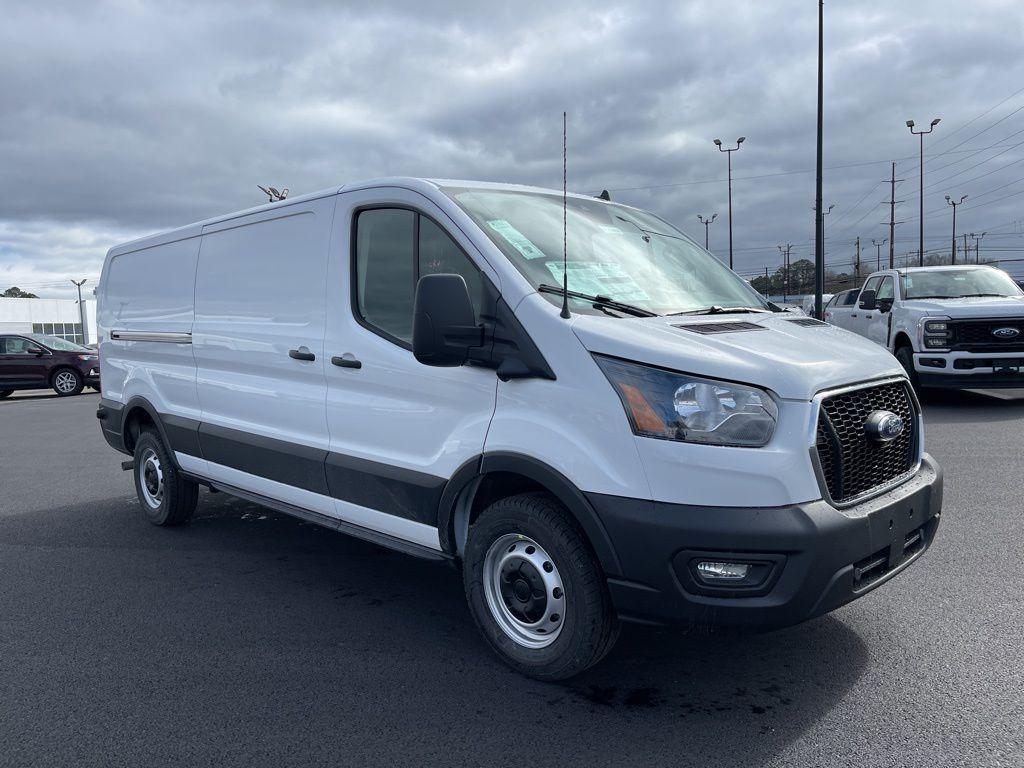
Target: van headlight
point(677, 406)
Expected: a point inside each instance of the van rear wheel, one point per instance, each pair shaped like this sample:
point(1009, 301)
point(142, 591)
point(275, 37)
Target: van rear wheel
point(536, 590)
point(166, 497)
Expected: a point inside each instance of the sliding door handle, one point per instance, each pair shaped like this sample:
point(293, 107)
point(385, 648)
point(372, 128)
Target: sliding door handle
point(302, 353)
point(346, 362)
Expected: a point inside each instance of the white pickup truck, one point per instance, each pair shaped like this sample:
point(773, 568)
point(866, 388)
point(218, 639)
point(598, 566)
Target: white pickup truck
point(956, 326)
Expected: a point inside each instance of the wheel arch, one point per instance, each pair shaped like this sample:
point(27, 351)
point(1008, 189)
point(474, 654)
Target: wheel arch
point(902, 339)
point(493, 476)
point(139, 413)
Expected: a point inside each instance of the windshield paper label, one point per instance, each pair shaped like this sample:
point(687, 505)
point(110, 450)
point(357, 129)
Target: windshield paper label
point(516, 239)
point(599, 278)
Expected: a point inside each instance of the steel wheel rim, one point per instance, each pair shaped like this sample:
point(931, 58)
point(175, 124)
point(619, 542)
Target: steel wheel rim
point(151, 478)
point(524, 591)
point(65, 381)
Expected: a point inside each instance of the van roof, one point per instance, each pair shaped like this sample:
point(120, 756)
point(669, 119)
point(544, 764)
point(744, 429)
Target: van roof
point(417, 184)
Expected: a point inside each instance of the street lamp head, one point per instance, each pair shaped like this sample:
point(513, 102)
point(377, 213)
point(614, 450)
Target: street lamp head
point(936, 121)
point(910, 123)
point(718, 142)
point(714, 216)
point(963, 198)
point(947, 198)
point(740, 140)
point(831, 207)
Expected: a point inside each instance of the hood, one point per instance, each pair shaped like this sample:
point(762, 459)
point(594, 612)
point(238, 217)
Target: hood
point(795, 361)
point(971, 306)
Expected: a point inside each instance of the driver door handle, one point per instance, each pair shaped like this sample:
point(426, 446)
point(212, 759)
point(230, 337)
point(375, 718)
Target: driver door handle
point(346, 362)
point(302, 353)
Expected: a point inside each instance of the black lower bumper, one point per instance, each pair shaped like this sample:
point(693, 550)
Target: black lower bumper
point(807, 559)
point(971, 380)
point(110, 414)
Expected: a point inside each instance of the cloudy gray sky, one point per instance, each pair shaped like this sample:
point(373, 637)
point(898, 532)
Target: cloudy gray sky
point(122, 118)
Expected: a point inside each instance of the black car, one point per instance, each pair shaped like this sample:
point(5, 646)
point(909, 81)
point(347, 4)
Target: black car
point(36, 361)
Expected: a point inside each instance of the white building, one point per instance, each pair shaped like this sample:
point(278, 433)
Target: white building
point(56, 317)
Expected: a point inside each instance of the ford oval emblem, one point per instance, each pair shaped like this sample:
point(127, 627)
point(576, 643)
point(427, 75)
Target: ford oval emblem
point(883, 426)
point(1006, 333)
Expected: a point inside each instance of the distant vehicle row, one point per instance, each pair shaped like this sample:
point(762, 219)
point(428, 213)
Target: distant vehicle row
point(957, 326)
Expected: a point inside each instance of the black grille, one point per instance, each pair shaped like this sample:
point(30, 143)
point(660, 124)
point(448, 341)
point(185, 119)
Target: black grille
point(977, 335)
point(733, 327)
point(852, 463)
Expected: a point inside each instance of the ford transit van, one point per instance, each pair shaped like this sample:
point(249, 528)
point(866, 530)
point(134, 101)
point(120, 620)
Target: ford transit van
point(393, 360)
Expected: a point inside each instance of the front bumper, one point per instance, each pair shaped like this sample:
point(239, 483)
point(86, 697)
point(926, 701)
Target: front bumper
point(819, 557)
point(970, 370)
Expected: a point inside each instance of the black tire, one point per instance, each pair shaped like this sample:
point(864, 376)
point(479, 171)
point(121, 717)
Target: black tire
point(589, 627)
point(165, 496)
point(906, 357)
point(6, 393)
point(67, 382)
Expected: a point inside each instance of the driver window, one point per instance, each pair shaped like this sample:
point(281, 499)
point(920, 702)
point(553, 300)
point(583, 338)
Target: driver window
point(885, 291)
point(18, 346)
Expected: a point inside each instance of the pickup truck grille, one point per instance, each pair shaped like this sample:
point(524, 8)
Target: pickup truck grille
point(977, 336)
point(853, 464)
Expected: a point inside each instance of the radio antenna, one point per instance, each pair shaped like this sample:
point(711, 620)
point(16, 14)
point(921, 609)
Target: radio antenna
point(565, 230)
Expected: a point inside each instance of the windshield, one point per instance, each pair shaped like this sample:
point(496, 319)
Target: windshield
point(612, 251)
point(57, 343)
point(957, 283)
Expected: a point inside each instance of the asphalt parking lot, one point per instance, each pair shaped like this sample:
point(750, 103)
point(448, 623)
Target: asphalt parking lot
point(248, 638)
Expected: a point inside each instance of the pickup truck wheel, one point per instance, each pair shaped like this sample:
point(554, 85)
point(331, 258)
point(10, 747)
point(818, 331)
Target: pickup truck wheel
point(166, 497)
point(906, 357)
point(536, 590)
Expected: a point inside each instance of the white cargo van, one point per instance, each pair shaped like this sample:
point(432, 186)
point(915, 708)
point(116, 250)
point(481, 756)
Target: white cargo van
point(391, 359)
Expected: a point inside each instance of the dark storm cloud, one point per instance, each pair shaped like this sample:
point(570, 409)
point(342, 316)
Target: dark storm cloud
point(122, 118)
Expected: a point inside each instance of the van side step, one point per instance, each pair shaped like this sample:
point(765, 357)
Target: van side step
point(342, 526)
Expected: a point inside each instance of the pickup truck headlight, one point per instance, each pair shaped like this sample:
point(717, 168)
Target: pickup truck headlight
point(676, 406)
point(935, 334)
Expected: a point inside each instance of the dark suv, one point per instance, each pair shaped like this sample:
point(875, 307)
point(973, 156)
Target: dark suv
point(35, 361)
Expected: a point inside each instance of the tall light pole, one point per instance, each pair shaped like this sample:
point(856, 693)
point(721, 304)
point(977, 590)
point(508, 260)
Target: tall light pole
point(81, 309)
point(910, 125)
point(977, 247)
point(878, 250)
point(826, 213)
point(819, 221)
point(954, 203)
point(706, 223)
point(728, 152)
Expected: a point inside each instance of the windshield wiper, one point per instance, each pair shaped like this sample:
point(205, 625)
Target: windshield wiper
point(599, 301)
point(716, 310)
point(972, 295)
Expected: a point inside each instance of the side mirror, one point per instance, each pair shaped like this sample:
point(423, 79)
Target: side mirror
point(867, 300)
point(444, 327)
point(37, 352)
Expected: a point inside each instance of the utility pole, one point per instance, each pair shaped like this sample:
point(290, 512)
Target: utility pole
point(910, 125)
point(706, 223)
point(856, 261)
point(81, 308)
point(878, 252)
point(954, 203)
point(785, 270)
point(819, 221)
point(977, 247)
point(728, 152)
point(892, 215)
point(767, 284)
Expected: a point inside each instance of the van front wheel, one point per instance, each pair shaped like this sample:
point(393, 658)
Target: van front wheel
point(166, 497)
point(536, 590)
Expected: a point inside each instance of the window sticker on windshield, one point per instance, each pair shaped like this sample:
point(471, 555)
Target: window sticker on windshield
point(611, 230)
point(599, 278)
point(516, 239)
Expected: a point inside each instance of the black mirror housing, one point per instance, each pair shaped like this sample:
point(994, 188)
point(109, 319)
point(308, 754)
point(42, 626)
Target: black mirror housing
point(867, 300)
point(444, 326)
